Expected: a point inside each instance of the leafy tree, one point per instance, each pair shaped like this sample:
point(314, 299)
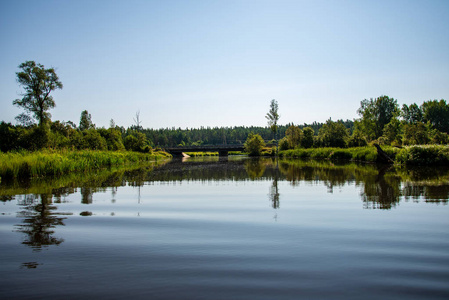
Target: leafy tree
point(437, 113)
point(412, 114)
point(392, 132)
point(293, 134)
point(38, 83)
point(113, 138)
point(93, 140)
point(333, 134)
point(375, 114)
point(254, 144)
point(416, 134)
point(284, 144)
point(307, 139)
point(273, 117)
point(9, 137)
point(137, 141)
point(86, 121)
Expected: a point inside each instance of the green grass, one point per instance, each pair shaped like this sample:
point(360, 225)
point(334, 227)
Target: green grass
point(365, 154)
point(428, 155)
point(55, 163)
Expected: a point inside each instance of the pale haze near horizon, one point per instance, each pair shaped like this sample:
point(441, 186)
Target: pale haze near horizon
point(219, 63)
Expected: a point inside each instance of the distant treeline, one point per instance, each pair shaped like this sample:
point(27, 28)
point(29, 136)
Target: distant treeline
point(170, 137)
point(66, 135)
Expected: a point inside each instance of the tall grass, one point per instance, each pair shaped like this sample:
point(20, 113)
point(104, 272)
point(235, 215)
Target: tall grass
point(426, 155)
point(54, 163)
point(368, 154)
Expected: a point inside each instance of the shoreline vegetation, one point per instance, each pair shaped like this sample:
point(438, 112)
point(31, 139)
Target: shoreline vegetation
point(42, 163)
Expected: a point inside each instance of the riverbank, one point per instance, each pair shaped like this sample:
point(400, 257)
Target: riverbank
point(425, 155)
point(54, 163)
point(365, 154)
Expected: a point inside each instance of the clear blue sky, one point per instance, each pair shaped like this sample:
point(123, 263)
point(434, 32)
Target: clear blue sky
point(219, 63)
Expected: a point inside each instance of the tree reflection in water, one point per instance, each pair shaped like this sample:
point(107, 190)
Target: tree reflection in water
point(39, 218)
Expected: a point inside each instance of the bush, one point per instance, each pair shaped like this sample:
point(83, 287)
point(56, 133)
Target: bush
point(254, 144)
point(423, 155)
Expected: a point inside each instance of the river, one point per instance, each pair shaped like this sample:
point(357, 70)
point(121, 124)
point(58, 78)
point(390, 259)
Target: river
point(233, 228)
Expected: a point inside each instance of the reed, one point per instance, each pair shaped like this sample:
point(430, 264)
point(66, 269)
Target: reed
point(359, 154)
point(54, 163)
point(365, 154)
point(426, 155)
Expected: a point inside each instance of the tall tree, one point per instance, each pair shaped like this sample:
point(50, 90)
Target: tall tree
point(376, 113)
point(86, 121)
point(412, 114)
point(437, 113)
point(38, 83)
point(293, 135)
point(273, 117)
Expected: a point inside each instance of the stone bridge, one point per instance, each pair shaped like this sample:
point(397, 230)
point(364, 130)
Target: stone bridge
point(221, 149)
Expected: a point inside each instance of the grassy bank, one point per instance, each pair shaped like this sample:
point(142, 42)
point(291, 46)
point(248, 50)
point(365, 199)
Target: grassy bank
point(55, 163)
point(411, 155)
point(367, 154)
point(426, 155)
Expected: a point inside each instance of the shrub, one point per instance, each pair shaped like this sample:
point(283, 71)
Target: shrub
point(254, 144)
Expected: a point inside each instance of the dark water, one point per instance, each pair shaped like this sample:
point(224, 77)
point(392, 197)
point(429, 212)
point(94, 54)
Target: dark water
point(236, 229)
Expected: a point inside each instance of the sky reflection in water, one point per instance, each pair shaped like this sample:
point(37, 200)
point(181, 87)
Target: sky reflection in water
point(236, 229)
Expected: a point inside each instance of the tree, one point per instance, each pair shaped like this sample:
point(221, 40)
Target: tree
point(375, 114)
point(333, 134)
point(137, 121)
point(273, 117)
point(86, 121)
point(307, 139)
point(411, 114)
point(254, 144)
point(38, 83)
point(437, 113)
point(293, 135)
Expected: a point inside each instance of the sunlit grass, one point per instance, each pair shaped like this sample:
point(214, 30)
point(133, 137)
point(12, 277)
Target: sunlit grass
point(366, 154)
point(53, 163)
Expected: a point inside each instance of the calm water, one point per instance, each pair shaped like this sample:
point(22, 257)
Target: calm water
point(228, 229)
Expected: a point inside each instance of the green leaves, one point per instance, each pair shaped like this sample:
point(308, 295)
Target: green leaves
point(37, 82)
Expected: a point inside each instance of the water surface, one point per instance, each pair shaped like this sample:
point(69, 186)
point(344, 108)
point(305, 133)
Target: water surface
point(229, 229)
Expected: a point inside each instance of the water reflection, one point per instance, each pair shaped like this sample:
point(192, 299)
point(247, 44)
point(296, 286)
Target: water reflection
point(39, 218)
point(381, 187)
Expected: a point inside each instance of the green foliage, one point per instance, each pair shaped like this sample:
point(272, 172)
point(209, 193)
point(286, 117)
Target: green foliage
point(368, 154)
point(254, 144)
point(412, 114)
point(307, 138)
point(375, 114)
point(392, 132)
point(93, 140)
point(423, 155)
point(284, 144)
point(437, 113)
point(332, 134)
point(113, 138)
point(45, 163)
point(37, 82)
point(294, 135)
point(86, 121)
point(357, 139)
point(273, 117)
point(137, 141)
point(415, 134)
point(9, 137)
